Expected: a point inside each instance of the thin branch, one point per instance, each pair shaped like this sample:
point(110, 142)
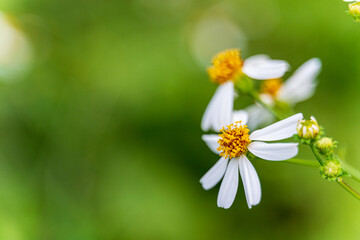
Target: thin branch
point(349, 189)
point(313, 149)
point(303, 162)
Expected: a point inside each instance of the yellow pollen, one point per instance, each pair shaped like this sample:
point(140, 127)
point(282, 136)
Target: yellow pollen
point(226, 66)
point(234, 140)
point(271, 86)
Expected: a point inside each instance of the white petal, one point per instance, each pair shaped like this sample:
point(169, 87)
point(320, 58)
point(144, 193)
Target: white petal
point(273, 151)
point(212, 141)
point(262, 67)
point(240, 115)
point(258, 116)
point(351, 0)
point(226, 107)
point(250, 181)
point(214, 175)
point(219, 111)
point(301, 85)
point(229, 185)
point(277, 131)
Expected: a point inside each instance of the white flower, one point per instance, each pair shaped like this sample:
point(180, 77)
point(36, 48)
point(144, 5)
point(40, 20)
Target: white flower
point(227, 67)
point(233, 144)
point(351, 0)
point(298, 87)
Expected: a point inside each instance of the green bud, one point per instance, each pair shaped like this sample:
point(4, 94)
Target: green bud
point(354, 11)
point(331, 170)
point(308, 129)
point(325, 145)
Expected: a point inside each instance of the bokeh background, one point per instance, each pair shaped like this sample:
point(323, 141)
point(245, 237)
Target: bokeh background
point(100, 108)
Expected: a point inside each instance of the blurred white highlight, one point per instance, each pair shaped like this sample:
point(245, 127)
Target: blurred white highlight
point(213, 32)
point(15, 51)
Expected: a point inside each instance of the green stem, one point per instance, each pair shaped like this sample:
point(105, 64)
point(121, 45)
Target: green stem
point(349, 189)
point(340, 181)
point(350, 170)
point(313, 149)
point(308, 163)
point(297, 161)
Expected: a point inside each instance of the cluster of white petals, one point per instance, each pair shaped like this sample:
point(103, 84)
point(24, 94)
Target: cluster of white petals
point(297, 88)
point(219, 111)
point(234, 144)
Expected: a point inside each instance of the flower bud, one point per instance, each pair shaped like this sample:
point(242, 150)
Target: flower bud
point(325, 145)
point(354, 11)
point(331, 170)
point(308, 129)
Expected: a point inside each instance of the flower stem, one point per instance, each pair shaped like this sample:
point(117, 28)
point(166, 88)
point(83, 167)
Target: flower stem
point(303, 162)
point(340, 180)
point(313, 149)
point(349, 189)
point(353, 173)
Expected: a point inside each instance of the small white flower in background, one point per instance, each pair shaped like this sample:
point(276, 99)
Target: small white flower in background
point(226, 67)
point(297, 88)
point(233, 143)
point(15, 50)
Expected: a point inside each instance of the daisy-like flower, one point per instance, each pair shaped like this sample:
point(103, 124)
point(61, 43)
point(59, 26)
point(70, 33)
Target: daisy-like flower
point(298, 87)
point(233, 144)
point(354, 9)
point(227, 66)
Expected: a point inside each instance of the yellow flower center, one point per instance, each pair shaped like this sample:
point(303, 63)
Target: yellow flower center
point(271, 86)
point(226, 66)
point(234, 140)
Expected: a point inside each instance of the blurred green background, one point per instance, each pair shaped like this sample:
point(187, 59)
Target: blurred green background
point(100, 135)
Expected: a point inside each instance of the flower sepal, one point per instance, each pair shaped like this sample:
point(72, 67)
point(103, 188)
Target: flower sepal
point(301, 140)
point(308, 130)
point(250, 156)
